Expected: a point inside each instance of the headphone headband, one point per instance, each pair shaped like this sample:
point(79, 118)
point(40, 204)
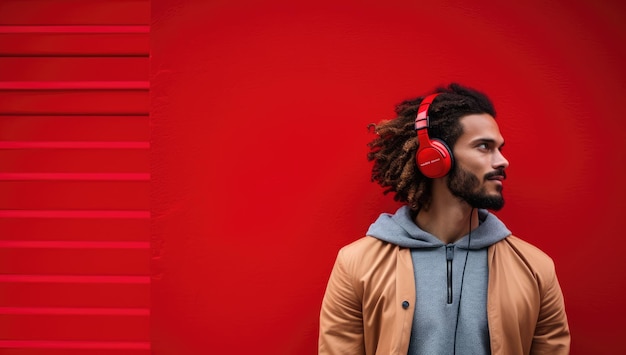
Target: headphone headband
point(422, 120)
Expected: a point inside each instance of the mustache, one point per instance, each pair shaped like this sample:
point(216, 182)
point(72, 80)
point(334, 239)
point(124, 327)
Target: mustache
point(499, 172)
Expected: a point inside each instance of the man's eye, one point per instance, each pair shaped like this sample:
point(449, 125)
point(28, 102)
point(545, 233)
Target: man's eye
point(482, 146)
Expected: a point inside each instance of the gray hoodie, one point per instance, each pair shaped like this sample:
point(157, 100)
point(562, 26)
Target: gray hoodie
point(445, 275)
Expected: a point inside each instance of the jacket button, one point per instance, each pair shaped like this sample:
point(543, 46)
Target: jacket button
point(405, 304)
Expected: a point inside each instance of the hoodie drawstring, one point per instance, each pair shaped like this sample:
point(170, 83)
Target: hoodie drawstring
point(449, 258)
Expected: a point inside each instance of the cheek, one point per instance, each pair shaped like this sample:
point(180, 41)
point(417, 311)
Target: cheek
point(473, 166)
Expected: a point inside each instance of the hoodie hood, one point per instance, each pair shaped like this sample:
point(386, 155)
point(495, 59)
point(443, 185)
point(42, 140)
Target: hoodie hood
point(401, 230)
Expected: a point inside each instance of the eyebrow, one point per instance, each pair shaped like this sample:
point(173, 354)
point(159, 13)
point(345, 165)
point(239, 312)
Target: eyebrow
point(487, 140)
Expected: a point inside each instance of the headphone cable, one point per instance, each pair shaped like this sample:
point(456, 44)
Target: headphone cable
point(458, 309)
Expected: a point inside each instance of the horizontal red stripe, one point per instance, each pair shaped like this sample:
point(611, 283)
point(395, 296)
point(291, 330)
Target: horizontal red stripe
point(28, 71)
point(46, 344)
point(73, 145)
point(72, 214)
point(74, 85)
point(104, 102)
point(75, 12)
point(76, 311)
point(76, 29)
point(62, 244)
point(75, 176)
point(97, 279)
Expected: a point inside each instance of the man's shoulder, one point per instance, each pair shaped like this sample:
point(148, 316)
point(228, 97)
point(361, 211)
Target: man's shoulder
point(367, 244)
point(525, 246)
point(366, 250)
point(535, 258)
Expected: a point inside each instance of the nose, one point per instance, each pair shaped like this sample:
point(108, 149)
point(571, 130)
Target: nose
point(499, 161)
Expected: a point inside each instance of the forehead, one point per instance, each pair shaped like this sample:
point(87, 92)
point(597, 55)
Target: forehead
point(480, 126)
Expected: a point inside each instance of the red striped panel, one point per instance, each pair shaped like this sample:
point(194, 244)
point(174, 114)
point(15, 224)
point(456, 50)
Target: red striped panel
point(86, 279)
point(74, 176)
point(74, 328)
point(53, 261)
point(64, 351)
point(85, 311)
point(65, 244)
point(74, 29)
point(75, 345)
point(72, 44)
point(45, 102)
point(74, 85)
point(74, 160)
point(74, 68)
point(73, 214)
point(82, 229)
point(70, 12)
point(74, 128)
point(72, 145)
point(117, 295)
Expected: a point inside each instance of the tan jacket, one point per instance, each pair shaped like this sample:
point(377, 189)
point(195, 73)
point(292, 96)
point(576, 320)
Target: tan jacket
point(370, 298)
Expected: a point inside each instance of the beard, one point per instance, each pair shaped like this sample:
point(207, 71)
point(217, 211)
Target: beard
point(466, 186)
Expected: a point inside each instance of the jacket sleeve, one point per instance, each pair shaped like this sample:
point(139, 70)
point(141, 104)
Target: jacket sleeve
point(552, 334)
point(341, 317)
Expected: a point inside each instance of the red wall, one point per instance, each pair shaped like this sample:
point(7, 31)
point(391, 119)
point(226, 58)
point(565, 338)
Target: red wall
point(259, 117)
point(258, 169)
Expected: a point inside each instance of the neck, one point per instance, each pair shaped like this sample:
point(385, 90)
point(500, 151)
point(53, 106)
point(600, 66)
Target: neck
point(447, 217)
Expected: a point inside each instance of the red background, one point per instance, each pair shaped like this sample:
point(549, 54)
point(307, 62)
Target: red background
point(259, 113)
point(258, 174)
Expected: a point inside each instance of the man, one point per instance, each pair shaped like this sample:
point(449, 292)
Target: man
point(442, 275)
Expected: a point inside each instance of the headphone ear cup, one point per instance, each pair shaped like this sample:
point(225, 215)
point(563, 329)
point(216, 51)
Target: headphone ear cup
point(435, 161)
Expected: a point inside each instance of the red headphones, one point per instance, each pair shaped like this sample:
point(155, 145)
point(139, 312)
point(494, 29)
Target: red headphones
point(434, 158)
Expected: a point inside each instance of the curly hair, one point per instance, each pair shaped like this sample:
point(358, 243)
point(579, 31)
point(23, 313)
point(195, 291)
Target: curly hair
point(393, 151)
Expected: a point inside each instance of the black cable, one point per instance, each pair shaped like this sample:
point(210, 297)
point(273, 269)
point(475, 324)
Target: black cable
point(458, 308)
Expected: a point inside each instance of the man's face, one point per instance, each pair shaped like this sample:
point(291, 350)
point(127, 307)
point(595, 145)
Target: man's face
point(479, 164)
